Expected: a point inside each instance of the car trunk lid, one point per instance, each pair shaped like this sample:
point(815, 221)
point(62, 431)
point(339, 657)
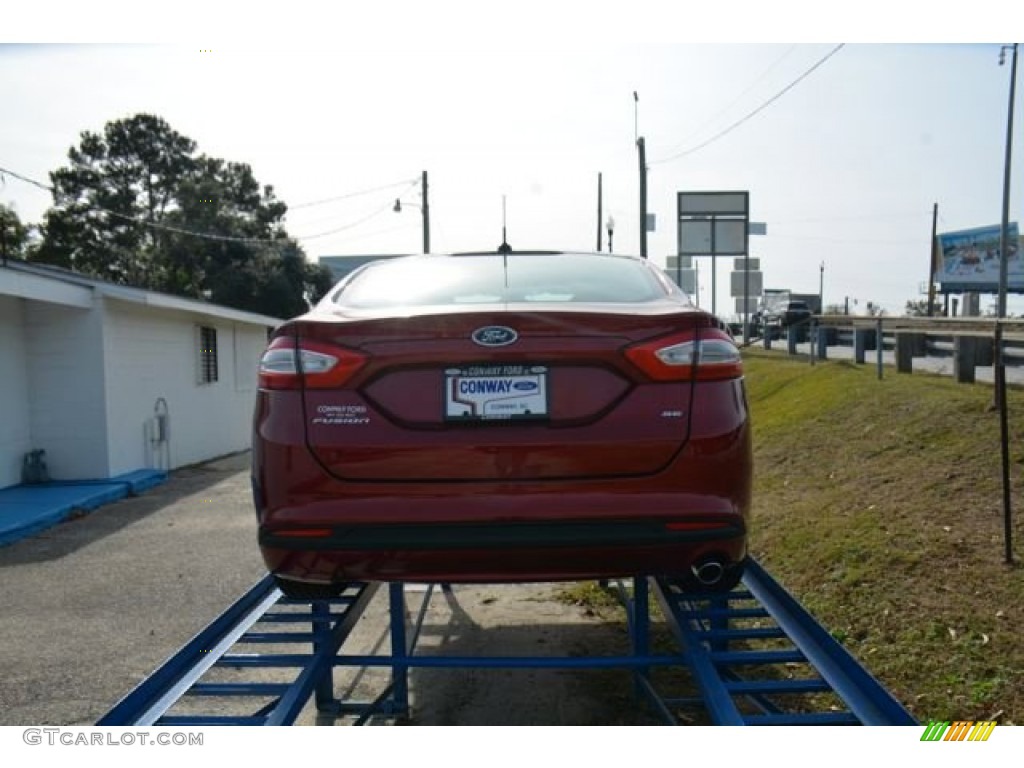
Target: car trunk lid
point(452, 396)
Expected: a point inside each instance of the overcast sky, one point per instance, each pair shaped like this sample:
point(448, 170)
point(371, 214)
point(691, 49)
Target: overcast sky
point(843, 168)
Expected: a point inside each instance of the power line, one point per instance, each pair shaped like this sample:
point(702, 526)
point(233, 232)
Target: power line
point(353, 194)
point(850, 241)
point(377, 212)
point(214, 236)
point(409, 225)
point(749, 115)
point(27, 180)
point(858, 217)
point(736, 101)
point(143, 222)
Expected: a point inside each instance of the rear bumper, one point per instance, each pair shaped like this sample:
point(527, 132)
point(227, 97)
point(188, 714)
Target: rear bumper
point(501, 552)
point(433, 536)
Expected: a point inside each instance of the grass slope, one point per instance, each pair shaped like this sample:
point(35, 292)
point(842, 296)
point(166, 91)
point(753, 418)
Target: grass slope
point(879, 505)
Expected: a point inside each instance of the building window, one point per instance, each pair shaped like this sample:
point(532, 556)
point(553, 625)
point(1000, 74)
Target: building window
point(207, 354)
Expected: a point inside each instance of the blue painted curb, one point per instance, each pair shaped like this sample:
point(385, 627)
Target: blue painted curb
point(26, 510)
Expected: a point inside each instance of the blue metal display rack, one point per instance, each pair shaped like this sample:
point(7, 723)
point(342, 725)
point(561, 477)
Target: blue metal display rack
point(755, 656)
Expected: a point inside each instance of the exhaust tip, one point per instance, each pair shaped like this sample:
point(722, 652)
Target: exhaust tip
point(708, 572)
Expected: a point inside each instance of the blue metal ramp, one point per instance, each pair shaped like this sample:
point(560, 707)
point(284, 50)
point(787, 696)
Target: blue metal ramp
point(759, 658)
point(752, 656)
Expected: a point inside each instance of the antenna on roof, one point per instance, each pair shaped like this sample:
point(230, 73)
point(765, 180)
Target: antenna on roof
point(504, 247)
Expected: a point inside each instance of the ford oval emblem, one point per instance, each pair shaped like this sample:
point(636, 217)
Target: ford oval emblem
point(494, 336)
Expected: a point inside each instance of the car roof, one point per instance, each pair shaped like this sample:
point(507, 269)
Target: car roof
point(490, 258)
point(539, 252)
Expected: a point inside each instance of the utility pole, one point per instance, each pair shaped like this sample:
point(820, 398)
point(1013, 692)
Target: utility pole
point(641, 151)
point(599, 213)
point(426, 216)
point(934, 260)
point(642, 155)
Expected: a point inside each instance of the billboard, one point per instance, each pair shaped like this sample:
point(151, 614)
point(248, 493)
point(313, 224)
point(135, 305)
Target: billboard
point(968, 260)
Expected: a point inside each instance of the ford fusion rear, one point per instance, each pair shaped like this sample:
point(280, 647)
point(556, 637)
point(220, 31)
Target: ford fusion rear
point(502, 417)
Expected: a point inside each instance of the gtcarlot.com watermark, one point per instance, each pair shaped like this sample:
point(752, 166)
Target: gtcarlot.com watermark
point(64, 737)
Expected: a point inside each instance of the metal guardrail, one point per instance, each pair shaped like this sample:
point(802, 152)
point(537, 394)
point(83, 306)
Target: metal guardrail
point(985, 327)
point(971, 342)
point(741, 649)
point(943, 326)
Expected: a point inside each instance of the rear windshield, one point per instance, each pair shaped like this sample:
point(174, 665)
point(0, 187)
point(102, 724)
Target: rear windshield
point(482, 279)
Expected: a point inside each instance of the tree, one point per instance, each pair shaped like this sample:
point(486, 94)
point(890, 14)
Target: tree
point(130, 204)
point(319, 281)
point(224, 198)
point(15, 237)
point(276, 281)
point(109, 202)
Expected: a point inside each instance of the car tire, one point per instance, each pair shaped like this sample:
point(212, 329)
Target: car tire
point(300, 590)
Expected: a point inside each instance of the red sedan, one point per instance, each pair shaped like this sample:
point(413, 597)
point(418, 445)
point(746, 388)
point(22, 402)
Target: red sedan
point(500, 417)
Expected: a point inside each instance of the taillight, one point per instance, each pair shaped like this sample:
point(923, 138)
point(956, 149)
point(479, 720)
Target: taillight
point(712, 356)
point(323, 366)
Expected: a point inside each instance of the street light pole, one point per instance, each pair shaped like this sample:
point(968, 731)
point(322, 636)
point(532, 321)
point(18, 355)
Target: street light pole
point(821, 290)
point(424, 209)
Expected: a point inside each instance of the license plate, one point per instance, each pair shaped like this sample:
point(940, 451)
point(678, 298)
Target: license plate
point(496, 392)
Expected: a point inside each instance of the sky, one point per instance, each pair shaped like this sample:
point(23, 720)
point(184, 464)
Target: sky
point(843, 161)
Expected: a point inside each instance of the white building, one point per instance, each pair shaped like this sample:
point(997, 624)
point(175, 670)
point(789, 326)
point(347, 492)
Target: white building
point(86, 366)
